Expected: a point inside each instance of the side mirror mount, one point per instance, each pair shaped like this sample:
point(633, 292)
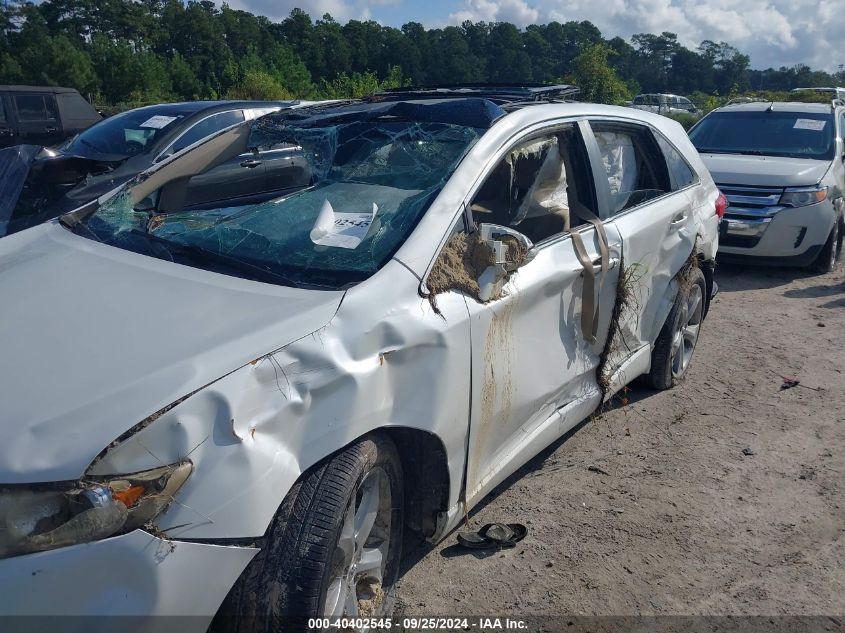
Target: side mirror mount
point(509, 249)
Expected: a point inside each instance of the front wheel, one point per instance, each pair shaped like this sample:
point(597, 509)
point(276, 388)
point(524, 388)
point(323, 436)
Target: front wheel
point(829, 255)
point(677, 340)
point(332, 551)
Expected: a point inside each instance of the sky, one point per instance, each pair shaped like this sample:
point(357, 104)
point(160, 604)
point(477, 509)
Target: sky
point(773, 33)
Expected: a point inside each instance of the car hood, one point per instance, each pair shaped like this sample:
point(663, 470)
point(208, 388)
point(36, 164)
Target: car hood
point(764, 171)
point(95, 339)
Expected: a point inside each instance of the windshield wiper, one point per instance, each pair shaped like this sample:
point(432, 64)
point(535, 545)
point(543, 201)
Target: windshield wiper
point(713, 150)
point(200, 254)
point(66, 222)
point(89, 144)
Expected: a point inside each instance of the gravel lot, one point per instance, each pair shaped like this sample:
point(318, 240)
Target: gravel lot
point(722, 495)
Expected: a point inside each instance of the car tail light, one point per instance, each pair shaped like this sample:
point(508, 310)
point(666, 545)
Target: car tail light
point(721, 205)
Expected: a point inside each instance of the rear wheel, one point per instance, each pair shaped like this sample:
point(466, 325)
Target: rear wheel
point(677, 340)
point(333, 549)
point(829, 255)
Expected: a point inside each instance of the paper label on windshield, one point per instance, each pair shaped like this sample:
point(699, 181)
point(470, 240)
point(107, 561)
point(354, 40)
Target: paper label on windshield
point(157, 122)
point(341, 230)
point(809, 124)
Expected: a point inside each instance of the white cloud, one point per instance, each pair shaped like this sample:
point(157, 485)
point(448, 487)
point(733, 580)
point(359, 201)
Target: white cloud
point(515, 11)
point(340, 10)
point(773, 32)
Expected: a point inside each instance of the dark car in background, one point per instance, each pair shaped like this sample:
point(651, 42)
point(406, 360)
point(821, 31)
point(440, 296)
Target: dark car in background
point(42, 115)
point(37, 183)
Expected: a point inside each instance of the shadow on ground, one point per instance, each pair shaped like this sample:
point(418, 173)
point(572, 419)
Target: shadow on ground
point(415, 550)
point(738, 277)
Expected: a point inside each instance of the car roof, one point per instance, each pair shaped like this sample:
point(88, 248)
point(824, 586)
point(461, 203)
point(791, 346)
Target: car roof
point(53, 89)
point(473, 112)
point(782, 106)
point(194, 107)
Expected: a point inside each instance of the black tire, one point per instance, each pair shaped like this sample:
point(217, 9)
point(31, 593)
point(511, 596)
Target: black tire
point(287, 582)
point(664, 374)
point(826, 260)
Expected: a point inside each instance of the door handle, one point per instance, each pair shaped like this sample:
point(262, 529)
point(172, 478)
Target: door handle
point(250, 163)
point(50, 129)
point(679, 219)
point(612, 263)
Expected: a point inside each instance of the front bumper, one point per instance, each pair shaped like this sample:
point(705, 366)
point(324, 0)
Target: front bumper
point(133, 582)
point(792, 235)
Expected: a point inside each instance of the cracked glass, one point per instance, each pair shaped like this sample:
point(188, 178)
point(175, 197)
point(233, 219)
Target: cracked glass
point(384, 172)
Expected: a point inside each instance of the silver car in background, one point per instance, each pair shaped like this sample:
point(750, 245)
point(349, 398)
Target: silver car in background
point(780, 165)
point(665, 104)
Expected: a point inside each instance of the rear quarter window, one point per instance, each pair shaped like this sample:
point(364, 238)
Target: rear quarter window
point(76, 110)
point(681, 174)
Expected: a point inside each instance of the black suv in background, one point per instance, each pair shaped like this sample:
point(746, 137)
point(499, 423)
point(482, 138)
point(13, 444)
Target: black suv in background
point(42, 115)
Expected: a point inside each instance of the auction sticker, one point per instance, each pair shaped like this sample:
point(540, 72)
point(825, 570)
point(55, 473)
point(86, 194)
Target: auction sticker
point(809, 124)
point(159, 121)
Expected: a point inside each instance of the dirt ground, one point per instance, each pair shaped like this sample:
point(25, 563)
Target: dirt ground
point(721, 496)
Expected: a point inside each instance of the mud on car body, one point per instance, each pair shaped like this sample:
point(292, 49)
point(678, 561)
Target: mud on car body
point(237, 410)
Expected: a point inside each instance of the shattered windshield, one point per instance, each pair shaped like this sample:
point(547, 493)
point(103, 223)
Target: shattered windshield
point(373, 182)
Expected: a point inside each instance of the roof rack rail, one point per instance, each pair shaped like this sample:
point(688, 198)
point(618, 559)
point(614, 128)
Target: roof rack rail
point(498, 93)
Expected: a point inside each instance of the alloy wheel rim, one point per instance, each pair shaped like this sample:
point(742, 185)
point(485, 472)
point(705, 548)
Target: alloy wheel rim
point(686, 332)
point(360, 557)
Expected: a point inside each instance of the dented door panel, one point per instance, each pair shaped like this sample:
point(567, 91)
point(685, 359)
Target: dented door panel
point(530, 358)
point(658, 238)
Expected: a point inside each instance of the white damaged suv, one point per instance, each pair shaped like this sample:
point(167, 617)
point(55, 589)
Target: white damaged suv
point(236, 410)
point(782, 168)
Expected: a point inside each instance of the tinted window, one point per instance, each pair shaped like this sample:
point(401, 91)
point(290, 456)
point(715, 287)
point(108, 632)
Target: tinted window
point(207, 127)
point(775, 133)
point(2, 111)
point(636, 171)
point(126, 134)
point(35, 107)
point(75, 107)
point(680, 173)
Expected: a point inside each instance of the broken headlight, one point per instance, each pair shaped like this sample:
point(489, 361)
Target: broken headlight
point(34, 519)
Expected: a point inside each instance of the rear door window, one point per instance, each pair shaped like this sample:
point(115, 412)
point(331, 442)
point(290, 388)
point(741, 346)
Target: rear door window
point(36, 107)
point(635, 168)
point(207, 127)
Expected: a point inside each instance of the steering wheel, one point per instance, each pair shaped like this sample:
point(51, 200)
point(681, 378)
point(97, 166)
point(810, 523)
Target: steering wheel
point(133, 147)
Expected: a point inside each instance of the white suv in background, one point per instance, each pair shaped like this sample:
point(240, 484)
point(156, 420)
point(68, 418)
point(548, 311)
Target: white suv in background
point(664, 104)
point(780, 165)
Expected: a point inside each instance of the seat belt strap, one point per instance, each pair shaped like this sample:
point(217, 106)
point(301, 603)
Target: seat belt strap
point(590, 300)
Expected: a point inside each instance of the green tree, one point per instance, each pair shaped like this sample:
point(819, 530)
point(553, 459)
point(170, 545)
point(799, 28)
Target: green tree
point(597, 80)
point(258, 85)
